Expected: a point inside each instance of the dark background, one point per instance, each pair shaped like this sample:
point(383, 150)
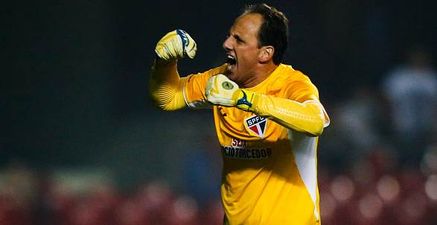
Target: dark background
point(73, 77)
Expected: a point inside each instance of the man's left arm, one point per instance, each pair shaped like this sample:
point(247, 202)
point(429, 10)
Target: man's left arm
point(308, 116)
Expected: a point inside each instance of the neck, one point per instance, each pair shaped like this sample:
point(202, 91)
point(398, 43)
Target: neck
point(263, 71)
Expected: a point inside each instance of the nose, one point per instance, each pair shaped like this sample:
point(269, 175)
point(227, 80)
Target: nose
point(227, 44)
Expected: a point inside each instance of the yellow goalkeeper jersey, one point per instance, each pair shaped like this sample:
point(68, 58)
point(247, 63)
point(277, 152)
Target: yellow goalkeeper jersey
point(269, 171)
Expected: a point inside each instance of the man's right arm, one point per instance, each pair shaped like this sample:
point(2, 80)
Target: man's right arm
point(166, 86)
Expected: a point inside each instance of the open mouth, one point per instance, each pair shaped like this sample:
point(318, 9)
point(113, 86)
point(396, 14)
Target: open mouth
point(231, 60)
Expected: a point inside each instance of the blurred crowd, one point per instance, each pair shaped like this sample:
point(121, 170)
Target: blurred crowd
point(397, 117)
point(369, 193)
point(28, 198)
point(378, 159)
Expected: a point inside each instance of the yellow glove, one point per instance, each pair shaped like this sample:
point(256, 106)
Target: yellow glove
point(175, 45)
point(220, 90)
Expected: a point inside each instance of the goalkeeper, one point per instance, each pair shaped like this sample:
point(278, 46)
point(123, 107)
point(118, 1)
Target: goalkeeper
point(267, 116)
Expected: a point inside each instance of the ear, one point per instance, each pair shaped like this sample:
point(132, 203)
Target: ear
point(266, 53)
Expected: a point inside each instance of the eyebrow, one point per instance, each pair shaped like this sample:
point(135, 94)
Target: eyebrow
point(238, 37)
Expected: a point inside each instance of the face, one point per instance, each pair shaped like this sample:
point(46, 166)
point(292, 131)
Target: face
point(242, 48)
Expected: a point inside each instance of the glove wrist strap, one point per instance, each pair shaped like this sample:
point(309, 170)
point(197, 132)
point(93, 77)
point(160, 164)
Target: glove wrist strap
point(243, 102)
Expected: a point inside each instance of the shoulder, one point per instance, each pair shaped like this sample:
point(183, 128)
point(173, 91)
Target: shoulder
point(205, 75)
point(295, 83)
point(286, 75)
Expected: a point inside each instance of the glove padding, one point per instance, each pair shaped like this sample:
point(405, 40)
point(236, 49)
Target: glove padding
point(175, 45)
point(220, 90)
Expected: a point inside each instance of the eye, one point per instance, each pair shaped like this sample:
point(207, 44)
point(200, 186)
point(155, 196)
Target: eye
point(238, 39)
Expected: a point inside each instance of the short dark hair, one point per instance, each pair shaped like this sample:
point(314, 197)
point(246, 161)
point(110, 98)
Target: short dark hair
point(273, 30)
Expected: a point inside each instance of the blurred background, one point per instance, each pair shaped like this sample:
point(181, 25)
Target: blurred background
point(81, 142)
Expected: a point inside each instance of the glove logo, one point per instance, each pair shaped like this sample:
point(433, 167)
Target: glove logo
point(184, 38)
point(256, 125)
point(227, 85)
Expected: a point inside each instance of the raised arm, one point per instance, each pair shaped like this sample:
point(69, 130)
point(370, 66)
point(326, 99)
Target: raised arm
point(165, 83)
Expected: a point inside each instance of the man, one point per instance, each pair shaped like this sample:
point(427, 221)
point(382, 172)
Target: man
point(267, 117)
point(411, 92)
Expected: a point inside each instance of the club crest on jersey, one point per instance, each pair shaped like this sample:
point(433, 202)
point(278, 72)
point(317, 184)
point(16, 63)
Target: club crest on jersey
point(256, 124)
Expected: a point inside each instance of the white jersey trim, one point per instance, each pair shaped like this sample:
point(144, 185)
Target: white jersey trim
point(304, 150)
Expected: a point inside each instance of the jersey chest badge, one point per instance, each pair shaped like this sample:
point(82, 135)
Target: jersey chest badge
point(256, 125)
